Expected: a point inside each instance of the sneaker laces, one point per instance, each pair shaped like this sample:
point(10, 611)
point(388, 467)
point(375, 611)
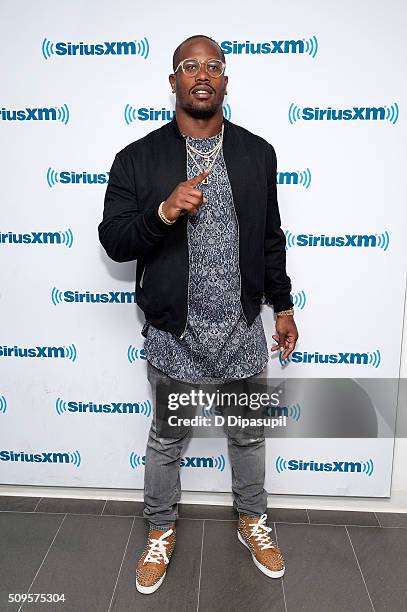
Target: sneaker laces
point(260, 532)
point(157, 549)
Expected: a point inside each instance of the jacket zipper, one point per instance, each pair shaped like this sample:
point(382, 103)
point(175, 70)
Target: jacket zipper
point(238, 254)
point(189, 267)
point(238, 264)
point(141, 278)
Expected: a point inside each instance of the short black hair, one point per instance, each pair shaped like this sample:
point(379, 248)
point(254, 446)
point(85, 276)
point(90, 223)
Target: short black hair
point(177, 52)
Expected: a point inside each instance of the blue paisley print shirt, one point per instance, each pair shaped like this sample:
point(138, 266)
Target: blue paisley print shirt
point(217, 344)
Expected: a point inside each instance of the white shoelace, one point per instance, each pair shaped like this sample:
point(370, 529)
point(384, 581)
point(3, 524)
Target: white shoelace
point(157, 549)
point(260, 532)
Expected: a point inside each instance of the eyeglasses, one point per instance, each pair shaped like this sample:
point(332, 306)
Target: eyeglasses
point(215, 68)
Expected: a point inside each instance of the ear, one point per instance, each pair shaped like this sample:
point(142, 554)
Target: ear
point(172, 79)
point(226, 83)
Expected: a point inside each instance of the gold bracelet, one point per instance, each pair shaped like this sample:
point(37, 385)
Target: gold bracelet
point(285, 313)
point(162, 216)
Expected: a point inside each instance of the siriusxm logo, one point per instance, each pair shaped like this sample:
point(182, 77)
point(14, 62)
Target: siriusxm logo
point(72, 407)
point(307, 46)
point(123, 47)
point(378, 241)
point(369, 358)
point(134, 353)
point(64, 237)
point(302, 178)
point(44, 352)
point(150, 113)
point(354, 113)
point(216, 463)
point(293, 412)
point(70, 177)
point(345, 467)
point(44, 457)
point(51, 113)
point(3, 404)
point(299, 299)
point(88, 297)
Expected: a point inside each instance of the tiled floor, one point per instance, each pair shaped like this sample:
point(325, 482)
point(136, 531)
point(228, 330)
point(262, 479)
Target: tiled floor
point(336, 561)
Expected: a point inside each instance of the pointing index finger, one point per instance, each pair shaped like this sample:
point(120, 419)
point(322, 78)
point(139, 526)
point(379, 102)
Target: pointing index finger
point(198, 179)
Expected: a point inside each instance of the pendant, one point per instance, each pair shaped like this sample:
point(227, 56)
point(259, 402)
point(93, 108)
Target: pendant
point(206, 167)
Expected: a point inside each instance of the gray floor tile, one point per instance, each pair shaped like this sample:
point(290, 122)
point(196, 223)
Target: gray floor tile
point(201, 511)
point(25, 539)
point(230, 582)
point(342, 517)
point(179, 590)
point(124, 508)
point(18, 504)
point(382, 557)
point(392, 519)
point(83, 563)
point(71, 506)
point(321, 570)
point(288, 515)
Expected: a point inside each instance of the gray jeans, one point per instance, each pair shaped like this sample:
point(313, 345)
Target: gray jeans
point(162, 487)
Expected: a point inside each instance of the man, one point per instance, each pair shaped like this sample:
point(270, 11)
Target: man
point(194, 202)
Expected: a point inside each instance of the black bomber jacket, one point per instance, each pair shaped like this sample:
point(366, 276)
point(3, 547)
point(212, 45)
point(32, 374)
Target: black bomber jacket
point(144, 173)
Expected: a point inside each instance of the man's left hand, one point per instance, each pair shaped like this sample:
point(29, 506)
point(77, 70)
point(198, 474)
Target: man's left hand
point(286, 336)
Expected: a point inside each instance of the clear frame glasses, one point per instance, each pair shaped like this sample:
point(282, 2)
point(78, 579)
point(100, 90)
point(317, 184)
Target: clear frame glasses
point(191, 66)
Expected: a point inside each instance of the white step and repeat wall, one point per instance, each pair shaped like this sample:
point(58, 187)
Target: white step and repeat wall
point(80, 80)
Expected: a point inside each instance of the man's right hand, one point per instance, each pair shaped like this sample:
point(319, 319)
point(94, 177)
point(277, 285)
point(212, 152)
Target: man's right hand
point(185, 198)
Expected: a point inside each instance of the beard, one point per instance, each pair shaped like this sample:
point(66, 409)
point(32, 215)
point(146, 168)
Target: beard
point(201, 112)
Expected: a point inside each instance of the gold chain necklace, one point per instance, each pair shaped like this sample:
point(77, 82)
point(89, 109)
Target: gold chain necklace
point(208, 157)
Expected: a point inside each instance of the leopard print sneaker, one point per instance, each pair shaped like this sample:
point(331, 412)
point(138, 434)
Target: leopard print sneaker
point(254, 534)
point(152, 566)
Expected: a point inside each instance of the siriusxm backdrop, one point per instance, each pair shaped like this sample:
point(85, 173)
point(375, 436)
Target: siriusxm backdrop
point(80, 80)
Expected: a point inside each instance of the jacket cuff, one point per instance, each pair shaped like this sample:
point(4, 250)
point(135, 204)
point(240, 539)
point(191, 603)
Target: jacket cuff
point(154, 224)
point(282, 302)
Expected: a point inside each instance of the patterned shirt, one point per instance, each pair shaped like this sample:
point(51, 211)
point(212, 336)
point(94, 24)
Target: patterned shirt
point(217, 344)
